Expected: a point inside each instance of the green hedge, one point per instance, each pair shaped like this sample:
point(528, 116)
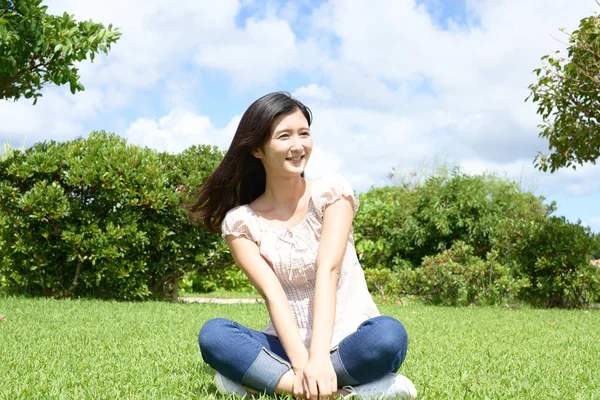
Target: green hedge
point(555, 255)
point(100, 218)
point(97, 217)
point(400, 224)
point(437, 237)
point(457, 277)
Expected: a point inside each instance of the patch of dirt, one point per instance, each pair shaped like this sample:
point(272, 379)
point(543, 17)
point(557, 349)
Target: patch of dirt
point(219, 301)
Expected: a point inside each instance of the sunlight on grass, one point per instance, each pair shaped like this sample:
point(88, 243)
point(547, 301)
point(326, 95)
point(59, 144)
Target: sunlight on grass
point(76, 349)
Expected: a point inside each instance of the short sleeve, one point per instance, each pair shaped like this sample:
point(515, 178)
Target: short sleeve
point(239, 221)
point(330, 189)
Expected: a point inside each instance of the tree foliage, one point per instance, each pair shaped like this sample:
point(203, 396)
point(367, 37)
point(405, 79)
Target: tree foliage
point(97, 217)
point(554, 254)
point(457, 277)
point(460, 239)
point(37, 48)
point(568, 97)
point(401, 224)
point(596, 252)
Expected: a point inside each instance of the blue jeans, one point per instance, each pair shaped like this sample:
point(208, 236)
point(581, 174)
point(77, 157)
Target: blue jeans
point(258, 360)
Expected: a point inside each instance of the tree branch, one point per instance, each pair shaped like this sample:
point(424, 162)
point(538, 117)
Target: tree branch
point(11, 80)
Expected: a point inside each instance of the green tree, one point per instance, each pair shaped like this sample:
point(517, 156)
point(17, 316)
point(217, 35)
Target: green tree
point(37, 48)
point(97, 217)
point(568, 97)
point(596, 252)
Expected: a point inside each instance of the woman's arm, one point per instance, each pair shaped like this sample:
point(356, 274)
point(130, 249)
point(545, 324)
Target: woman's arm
point(337, 223)
point(246, 253)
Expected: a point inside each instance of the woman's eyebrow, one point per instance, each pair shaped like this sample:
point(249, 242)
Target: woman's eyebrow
point(304, 128)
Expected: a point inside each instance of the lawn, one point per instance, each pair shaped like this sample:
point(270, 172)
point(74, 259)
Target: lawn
point(79, 349)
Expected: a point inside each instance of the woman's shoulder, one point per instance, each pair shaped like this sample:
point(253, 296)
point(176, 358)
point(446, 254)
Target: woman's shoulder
point(240, 221)
point(238, 212)
point(329, 188)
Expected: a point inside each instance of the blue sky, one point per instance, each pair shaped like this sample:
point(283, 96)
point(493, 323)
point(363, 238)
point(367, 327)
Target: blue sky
point(392, 83)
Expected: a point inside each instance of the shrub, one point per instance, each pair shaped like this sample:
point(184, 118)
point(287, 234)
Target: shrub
point(383, 227)
point(400, 224)
point(230, 278)
point(98, 217)
point(391, 285)
point(532, 255)
point(596, 251)
point(555, 254)
point(458, 277)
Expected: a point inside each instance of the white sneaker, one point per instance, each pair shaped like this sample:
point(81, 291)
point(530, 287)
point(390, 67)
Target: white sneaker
point(392, 386)
point(227, 386)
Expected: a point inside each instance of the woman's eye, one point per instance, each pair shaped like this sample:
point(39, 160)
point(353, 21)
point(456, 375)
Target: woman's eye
point(305, 133)
point(284, 136)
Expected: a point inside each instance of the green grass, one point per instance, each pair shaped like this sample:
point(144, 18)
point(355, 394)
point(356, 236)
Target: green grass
point(78, 349)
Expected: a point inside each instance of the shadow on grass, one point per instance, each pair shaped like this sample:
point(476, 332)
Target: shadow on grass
point(204, 387)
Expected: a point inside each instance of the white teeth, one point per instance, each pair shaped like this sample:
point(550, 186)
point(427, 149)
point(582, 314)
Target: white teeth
point(295, 158)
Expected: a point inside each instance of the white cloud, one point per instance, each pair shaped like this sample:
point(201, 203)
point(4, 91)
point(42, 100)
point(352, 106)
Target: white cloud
point(581, 182)
point(322, 162)
point(56, 116)
point(160, 41)
point(467, 83)
point(179, 130)
point(403, 90)
point(312, 93)
point(255, 55)
point(153, 63)
point(367, 142)
point(156, 38)
point(155, 45)
point(567, 182)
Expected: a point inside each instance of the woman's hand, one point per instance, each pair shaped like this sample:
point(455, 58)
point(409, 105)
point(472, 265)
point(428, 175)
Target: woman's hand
point(319, 378)
point(298, 390)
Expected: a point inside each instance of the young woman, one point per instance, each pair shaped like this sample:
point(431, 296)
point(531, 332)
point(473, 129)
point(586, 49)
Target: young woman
point(293, 239)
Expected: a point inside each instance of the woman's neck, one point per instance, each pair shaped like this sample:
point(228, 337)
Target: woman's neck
point(284, 192)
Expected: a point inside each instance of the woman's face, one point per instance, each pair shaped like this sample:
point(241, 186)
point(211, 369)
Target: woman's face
point(288, 150)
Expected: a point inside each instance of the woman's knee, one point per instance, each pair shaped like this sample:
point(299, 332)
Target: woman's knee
point(392, 335)
point(379, 347)
point(210, 338)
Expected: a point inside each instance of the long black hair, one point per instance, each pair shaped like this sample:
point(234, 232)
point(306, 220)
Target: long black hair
point(241, 178)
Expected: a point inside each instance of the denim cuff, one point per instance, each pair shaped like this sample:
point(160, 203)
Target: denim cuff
point(265, 372)
point(343, 377)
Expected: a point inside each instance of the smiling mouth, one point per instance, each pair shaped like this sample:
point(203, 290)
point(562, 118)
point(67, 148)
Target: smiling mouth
point(295, 158)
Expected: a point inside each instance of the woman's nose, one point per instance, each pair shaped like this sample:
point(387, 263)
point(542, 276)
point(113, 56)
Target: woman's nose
point(296, 142)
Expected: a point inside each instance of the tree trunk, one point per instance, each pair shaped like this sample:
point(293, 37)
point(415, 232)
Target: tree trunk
point(175, 291)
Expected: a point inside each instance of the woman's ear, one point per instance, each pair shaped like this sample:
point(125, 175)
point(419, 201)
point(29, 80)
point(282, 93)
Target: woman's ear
point(257, 152)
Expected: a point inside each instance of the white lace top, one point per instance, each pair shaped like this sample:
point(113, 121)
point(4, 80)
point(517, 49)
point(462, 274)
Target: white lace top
point(292, 254)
